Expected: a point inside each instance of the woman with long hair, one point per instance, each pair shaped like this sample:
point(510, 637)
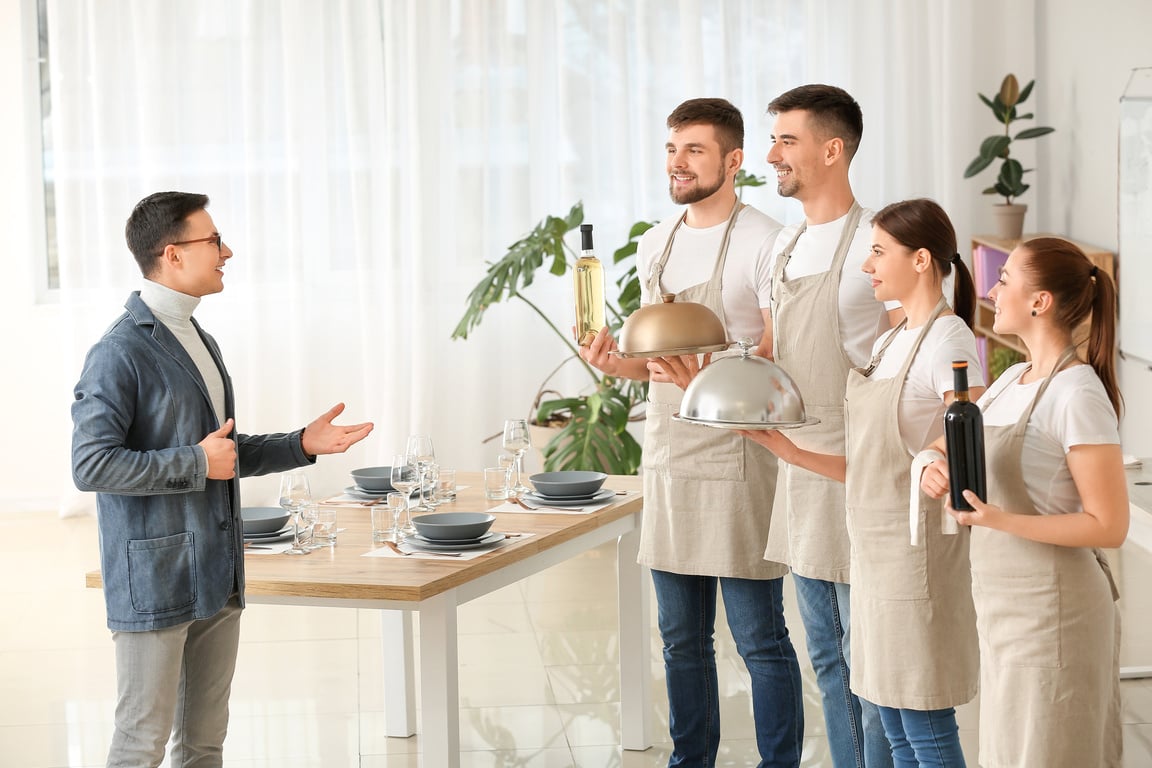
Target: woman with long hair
point(913, 645)
point(1044, 594)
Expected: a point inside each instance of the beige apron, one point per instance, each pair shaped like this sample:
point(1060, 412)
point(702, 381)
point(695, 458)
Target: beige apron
point(914, 640)
point(707, 492)
point(809, 533)
point(1049, 632)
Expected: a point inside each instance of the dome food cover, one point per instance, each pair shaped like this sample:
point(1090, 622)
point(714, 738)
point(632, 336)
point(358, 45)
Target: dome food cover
point(671, 328)
point(744, 392)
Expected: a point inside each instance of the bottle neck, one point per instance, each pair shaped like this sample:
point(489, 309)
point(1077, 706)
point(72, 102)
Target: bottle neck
point(960, 384)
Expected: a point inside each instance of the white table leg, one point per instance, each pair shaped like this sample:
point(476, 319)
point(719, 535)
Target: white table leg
point(635, 676)
point(439, 682)
point(399, 674)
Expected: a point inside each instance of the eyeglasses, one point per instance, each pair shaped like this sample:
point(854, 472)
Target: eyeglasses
point(214, 239)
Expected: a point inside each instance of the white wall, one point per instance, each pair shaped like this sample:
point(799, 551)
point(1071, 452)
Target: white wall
point(1085, 54)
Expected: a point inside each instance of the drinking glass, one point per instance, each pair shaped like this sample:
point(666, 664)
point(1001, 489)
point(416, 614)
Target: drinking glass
point(446, 486)
point(422, 454)
point(431, 482)
point(309, 516)
point(405, 477)
point(294, 497)
point(517, 440)
point(397, 503)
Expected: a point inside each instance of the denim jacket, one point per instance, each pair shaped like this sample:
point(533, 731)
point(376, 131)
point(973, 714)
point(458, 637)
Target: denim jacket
point(171, 540)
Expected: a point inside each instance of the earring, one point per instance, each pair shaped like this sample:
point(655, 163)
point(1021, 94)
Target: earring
point(1033, 313)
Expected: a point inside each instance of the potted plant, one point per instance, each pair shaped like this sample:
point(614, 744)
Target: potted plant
point(1010, 180)
point(590, 429)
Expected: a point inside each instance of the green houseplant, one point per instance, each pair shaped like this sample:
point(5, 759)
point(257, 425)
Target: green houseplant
point(592, 425)
point(1010, 179)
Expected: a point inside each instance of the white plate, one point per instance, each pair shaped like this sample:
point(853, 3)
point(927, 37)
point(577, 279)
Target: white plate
point(601, 495)
point(266, 536)
point(751, 425)
point(428, 546)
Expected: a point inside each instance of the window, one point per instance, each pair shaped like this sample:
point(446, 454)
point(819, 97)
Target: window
point(51, 264)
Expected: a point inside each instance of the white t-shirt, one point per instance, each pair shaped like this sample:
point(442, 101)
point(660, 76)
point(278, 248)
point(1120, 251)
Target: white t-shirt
point(921, 409)
point(747, 272)
point(862, 318)
point(1074, 410)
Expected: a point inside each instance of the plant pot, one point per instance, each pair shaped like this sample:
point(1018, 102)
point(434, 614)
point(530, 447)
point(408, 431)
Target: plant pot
point(1009, 220)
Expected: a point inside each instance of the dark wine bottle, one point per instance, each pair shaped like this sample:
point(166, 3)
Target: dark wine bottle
point(964, 437)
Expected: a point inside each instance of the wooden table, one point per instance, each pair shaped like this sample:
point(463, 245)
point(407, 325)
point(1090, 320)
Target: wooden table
point(342, 577)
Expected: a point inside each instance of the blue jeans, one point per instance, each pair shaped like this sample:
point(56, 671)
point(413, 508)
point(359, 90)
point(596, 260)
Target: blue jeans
point(687, 619)
point(923, 738)
point(855, 734)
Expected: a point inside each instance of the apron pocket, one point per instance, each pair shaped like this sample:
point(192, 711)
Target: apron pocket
point(690, 451)
point(1018, 617)
point(162, 573)
point(889, 567)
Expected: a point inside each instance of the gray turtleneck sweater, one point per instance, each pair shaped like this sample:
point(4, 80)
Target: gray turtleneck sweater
point(175, 309)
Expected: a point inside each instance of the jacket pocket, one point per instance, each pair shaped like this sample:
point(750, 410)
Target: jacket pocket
point(162, 573)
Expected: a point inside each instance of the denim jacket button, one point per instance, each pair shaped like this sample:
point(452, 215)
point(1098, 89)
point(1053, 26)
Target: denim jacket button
point(225, 525)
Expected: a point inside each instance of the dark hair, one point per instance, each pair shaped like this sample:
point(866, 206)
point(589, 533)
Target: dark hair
point(156, 221)
point(721, 114)
point(922, 223)
point(833, 112)
point(1079, 291)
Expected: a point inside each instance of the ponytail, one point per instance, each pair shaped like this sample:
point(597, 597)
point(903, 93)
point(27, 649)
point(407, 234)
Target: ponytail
point(1102, 336)
point(963, 292)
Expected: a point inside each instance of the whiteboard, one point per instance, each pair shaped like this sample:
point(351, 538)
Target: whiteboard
point(1135, 251)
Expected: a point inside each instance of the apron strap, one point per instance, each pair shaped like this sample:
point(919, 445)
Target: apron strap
point(657, 269)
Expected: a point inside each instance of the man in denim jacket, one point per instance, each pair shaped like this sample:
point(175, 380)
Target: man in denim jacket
point(153, 436)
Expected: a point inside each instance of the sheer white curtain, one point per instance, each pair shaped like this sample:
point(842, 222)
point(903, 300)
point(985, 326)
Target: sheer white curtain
point(366, 159)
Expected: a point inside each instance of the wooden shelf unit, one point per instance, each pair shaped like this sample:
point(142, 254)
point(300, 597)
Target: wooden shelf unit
point(988, 255)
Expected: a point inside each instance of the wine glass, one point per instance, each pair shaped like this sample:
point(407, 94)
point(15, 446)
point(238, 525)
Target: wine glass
point(517, 440)
point(294, 497)
point(405, 477)
point(422, 454)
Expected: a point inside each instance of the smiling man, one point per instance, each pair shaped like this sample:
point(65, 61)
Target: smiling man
point(825, 318)
point(707, 494)
point(153, 436)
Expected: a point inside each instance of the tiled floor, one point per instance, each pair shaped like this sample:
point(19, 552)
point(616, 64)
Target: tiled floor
point(538, 678)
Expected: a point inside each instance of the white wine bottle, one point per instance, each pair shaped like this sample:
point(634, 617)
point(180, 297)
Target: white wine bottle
point(964, 438)
point(589, 290)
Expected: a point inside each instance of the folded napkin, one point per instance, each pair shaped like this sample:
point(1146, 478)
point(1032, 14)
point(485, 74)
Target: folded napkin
point(383, 550)
point(1131, 462)
point(948, 524)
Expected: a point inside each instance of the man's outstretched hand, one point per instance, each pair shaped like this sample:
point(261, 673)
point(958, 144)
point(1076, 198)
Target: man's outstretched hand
point(322, 436)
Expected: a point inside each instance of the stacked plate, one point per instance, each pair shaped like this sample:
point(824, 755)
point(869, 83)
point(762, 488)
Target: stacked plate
point(265, 525)
point(453, 531)
point(372, 483)
point(569, 488)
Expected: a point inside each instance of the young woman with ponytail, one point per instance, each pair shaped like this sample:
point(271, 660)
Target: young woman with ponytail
point(1044, 594)
point(914, 650)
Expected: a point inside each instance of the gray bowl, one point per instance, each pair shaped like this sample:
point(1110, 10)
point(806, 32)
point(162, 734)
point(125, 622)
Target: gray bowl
point(570, 482)
point(377, 479)
point(453, 525)
point(263, 519)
